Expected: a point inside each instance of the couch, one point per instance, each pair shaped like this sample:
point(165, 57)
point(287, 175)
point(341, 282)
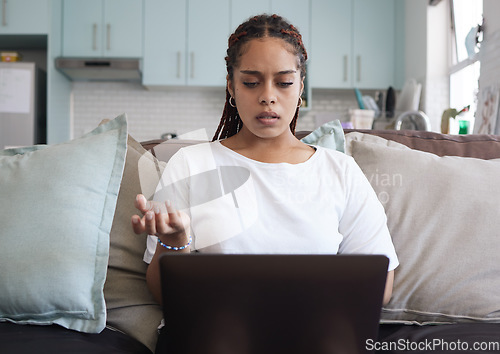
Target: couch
point(72, 279)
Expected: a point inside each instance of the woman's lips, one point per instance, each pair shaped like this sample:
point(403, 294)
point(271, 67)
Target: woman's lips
point(268, 117)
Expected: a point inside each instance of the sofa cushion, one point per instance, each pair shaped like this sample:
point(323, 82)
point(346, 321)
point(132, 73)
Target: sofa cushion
point(443, 216)
point(131, 307)
point(58, 204)
point(480, 146)
point(163, 150)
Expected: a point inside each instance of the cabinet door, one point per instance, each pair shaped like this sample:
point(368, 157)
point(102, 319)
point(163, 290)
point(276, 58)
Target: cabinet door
point(122, 28)
point(24, 16)
point(331, 44)
point(164, 43)
point(208, 31)
point(242, 10)
point(82, 28)
point(374, 43)
point(102, 28)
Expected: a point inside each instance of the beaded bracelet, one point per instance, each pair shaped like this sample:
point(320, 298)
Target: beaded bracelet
point(174, 248)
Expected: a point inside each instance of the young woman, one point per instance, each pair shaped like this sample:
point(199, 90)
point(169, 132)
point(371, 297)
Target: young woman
point(294, 198)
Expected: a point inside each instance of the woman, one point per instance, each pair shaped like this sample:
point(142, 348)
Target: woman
point(295, 198)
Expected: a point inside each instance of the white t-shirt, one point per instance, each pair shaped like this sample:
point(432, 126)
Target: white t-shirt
point(324, 205)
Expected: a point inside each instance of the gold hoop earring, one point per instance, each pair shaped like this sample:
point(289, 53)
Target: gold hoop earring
point(300, 102)
point(232, 105)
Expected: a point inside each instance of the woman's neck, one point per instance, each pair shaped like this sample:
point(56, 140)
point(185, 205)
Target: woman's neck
point(285, 148)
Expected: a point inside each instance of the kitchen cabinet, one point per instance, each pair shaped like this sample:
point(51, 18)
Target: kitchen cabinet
point(353, 44)
point(102, 28)
point(185, 42)
point(242, 10)
point(24, 16)
point(208, 31)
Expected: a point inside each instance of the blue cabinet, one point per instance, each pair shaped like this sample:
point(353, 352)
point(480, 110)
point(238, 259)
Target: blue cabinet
point(374, 37)
point(185, 42)
point(208, 31)
point(102, 28)
point(242, 10)
point(165, 34)
point(24, 17)
point(354, 44)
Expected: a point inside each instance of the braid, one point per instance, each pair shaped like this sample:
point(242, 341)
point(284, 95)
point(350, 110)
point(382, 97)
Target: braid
point(230, 122)
point(236, 37)
point(257, 27)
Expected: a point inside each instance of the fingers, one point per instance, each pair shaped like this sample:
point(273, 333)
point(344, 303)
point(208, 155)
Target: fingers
point(140, 201)
point(171, 212)
point(174, 217)
point(138, 225)
point(143, 205)
point(146, 224)
point(155, 221)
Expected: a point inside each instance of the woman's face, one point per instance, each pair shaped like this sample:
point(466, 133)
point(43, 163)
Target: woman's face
point(266, 87)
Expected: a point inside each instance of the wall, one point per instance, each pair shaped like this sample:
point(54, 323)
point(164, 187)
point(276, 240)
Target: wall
point(59, 127)
point(491, 10)
point(416, 39)
point(427, 43)
point(436, 95)
point(490, 48)
point(153, 113)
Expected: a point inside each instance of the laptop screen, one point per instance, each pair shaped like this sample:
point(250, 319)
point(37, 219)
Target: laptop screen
point(242, 304)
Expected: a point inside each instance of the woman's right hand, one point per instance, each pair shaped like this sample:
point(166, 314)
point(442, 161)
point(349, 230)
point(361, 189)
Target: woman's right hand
point(161, 220)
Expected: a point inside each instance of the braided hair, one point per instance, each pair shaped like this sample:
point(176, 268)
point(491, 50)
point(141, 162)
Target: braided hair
point(257, 27)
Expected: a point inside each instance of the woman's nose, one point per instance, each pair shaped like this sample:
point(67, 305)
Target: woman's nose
point(267, 96)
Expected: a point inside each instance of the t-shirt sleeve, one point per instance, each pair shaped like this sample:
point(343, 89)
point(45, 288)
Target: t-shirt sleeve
point(363, 223)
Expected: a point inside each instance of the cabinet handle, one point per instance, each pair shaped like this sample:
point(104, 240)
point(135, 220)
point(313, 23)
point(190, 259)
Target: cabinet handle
point(192, 65)
point(4, 13)
point(346, 65)
point(108, 37)
point(179, 64)
point(358, 63)
point(94, 36)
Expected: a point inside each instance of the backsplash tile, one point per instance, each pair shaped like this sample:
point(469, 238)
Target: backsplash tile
point(179, 110)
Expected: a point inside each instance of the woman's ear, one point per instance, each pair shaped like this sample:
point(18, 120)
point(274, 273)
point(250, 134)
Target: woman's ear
point(301, 86)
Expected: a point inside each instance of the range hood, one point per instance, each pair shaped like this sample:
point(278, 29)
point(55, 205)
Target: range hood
point(100, 69)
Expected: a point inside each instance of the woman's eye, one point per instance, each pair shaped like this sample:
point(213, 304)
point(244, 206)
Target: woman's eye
point(250, 84)
point(285, 84)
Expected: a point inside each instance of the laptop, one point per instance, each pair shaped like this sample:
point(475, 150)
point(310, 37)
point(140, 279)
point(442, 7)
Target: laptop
point(249, 304)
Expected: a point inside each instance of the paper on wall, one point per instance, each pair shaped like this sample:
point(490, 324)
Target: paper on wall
point(15, 90)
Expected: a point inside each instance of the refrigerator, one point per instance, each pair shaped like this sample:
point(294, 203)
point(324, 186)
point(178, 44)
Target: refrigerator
point(23, 117)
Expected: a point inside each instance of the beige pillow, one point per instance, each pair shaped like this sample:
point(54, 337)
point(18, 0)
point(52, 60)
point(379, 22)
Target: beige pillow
point(130, 305)
point(443, 216)
point(369, 138)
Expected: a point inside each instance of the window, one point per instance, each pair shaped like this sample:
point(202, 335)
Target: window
point(464, 73)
